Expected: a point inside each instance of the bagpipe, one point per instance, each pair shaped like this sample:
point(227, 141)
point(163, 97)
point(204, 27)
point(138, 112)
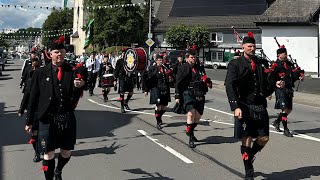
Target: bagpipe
point(240, 39)
point(297, 71)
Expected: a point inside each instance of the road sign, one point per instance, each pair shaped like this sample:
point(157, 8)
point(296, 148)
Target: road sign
point(150, 42)
point(150, 35)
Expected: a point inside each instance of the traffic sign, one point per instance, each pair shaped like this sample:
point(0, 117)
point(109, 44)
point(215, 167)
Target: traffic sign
point(150, 42)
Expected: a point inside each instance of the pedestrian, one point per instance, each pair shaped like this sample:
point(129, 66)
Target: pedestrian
point(24, 105)
point(247, 87)
point(158, 83)
point(55, 91)
point(26, 66)
point(191, 86)
point(93, 67)
point(285, 72)
point(125, 82)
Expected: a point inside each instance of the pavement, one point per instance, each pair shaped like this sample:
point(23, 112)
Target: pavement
point(116, 146)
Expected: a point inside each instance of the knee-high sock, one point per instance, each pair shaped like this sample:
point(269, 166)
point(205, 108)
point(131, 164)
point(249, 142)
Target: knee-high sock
point(121, 99)
point(33, 141)
point(246, 157)
point(128, 98)
point(48, 168)
point(256, 148)
point(158, 115)
point(284, 120)
point(62, 162)
point(278, 120)
point(190, 129)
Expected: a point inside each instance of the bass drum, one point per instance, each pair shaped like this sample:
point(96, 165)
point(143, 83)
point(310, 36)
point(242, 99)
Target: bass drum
point(135, 59)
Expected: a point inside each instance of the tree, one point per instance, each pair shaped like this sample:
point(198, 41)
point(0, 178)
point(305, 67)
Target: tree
point(118, 25)
point(57, 20)
point(179, 35)
point(3, 43)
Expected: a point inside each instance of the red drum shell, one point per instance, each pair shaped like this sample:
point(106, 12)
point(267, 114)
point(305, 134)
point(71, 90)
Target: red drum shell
point(142, 59)
point(107, 81)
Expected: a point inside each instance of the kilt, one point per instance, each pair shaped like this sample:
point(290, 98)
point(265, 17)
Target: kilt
point(283, 98)
point(52, 136)
point(156, 97)
point(247, 126)
point(125, 85)
point(191, 102)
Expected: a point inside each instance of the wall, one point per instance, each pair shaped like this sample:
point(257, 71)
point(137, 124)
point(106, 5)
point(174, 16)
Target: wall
point(78, 23)
point(301, 42)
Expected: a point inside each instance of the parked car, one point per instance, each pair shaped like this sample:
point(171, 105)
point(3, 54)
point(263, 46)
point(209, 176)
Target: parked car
point(216, 64)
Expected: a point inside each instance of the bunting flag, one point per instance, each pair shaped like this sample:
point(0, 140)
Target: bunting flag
point(89, 34)
point(64, 3)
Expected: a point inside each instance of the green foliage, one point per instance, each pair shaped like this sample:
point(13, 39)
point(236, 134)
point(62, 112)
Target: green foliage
point(179, 35)
point(3, 43)
point(57, 20)
point(117, 25)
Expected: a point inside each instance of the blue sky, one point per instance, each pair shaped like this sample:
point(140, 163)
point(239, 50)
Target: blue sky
point(16, 18)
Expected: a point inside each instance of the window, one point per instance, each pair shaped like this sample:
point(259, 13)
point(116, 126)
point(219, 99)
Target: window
point(216, 37)
point(217, 55)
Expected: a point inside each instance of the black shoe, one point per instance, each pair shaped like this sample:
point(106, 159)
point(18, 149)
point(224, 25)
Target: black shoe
point(90, 94)
point(57, 174)
point(36, 158)
point(105, 99)
point(126, 106)
point(276, 125)
point(287, 133)
point(249, 174)
point(191, 143)
point(122, 110)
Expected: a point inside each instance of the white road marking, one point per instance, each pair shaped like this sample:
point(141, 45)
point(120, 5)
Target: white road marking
point(219, 111)
point(169, 149)
point(302, 136)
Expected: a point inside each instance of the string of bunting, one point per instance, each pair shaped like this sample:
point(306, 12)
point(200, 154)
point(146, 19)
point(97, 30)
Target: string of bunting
point(14, 36)
point(81, 7)
point(35, 32)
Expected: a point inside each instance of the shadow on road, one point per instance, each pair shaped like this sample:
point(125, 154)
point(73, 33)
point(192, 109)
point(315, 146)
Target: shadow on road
point(218, 140)
point(146, 175)
point(101, 150)
point(293, 174)
point(306, 131)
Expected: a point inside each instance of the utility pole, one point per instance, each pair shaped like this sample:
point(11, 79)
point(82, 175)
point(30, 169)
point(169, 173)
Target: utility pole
point(150, 14)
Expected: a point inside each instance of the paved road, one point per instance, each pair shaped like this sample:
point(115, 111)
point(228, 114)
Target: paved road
point(118, 146)
point(309, 85)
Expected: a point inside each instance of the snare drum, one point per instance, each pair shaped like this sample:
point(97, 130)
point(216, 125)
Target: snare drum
point(107, 80)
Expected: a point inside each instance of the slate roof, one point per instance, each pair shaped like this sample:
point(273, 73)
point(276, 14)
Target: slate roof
point(168, 18)
point(290, 11)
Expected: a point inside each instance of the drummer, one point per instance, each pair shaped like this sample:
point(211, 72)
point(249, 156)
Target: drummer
point(105, 71)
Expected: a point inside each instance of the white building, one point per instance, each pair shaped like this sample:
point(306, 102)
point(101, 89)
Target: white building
point(78, 37)
point(296, 25)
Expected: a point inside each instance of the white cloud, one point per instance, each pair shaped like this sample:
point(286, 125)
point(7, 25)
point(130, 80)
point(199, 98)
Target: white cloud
point(16, 18)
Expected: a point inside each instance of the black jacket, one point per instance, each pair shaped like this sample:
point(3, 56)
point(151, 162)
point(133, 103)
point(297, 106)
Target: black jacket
point(184, 77)
point(153, 79)
point(42, 91)
point(242, 86)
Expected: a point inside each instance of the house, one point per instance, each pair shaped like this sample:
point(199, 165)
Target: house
point(296, 25)
point(218, 15)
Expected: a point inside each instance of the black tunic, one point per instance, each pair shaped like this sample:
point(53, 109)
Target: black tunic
point(158, 83)
point(245, 87)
